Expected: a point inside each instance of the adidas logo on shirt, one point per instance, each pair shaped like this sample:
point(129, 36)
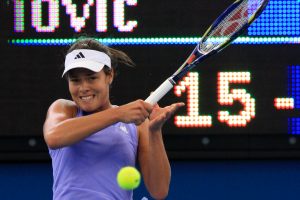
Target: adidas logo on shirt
point(79, 55)
point(124, 129)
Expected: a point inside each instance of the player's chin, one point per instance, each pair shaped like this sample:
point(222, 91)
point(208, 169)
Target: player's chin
point(87, 107)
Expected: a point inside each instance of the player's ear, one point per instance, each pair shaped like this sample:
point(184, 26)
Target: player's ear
point(111, 77)
point(109, 73)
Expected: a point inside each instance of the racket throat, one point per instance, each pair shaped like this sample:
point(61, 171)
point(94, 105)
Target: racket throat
point(175, 78)
point(172, 80)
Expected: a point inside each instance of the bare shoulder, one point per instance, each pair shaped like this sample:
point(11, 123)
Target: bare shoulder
point(63, 102)
point(63, 106)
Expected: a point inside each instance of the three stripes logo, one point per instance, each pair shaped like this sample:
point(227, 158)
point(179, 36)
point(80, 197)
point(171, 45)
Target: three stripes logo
point(79, 55)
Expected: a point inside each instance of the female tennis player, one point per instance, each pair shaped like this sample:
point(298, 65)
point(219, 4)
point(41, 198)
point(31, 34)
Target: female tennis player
point(90, 139)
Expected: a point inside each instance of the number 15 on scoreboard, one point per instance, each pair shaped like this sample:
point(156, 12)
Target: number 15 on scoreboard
point(226, 97)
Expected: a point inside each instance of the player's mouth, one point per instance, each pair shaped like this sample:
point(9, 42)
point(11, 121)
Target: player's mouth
point(87, 98)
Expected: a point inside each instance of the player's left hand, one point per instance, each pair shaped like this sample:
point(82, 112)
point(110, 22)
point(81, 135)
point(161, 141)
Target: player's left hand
point(160, 115)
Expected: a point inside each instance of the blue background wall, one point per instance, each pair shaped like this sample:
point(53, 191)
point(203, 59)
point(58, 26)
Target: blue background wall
point(208, 180)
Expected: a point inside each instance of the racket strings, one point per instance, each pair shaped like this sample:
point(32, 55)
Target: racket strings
point(230, 24)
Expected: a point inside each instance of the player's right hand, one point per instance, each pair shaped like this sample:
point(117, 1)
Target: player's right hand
point(135, 112)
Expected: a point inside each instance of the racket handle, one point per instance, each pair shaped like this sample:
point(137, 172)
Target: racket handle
point(161, 91)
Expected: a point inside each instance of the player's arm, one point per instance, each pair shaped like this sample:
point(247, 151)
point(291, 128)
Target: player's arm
point(62, 128)
point(152, 155)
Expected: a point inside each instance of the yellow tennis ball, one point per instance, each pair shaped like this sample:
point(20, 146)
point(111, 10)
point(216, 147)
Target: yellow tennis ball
point(128, 178)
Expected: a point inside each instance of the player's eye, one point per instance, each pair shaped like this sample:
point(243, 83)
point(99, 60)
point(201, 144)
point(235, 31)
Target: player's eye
point(92, 78)
point(74, 80)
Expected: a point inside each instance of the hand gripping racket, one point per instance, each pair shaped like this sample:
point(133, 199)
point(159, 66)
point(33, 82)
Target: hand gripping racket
point(228, 26)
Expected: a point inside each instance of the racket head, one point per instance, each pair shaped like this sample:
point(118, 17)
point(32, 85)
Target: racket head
point(230, 24)
point(225, 29)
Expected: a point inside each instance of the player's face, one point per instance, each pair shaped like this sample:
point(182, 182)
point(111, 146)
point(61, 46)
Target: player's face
point(90, 90)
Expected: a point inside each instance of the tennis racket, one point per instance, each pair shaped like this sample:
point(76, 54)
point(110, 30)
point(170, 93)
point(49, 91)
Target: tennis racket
point(225, 29)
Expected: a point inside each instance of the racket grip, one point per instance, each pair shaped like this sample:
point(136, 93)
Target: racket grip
point(161, 91)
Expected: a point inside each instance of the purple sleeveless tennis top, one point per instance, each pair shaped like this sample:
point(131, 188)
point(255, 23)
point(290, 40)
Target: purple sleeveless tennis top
point(88, 169)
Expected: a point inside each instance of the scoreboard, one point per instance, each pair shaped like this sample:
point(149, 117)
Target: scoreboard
point(243, 102)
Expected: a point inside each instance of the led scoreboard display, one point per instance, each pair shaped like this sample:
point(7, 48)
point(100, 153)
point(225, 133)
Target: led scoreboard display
point(242, 102)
